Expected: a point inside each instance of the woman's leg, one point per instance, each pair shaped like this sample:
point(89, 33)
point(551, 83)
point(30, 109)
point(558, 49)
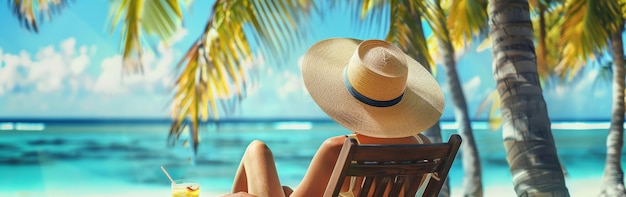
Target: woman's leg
point(257, 172)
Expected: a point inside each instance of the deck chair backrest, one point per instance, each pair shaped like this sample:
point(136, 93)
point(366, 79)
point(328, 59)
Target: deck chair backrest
point(394, 169)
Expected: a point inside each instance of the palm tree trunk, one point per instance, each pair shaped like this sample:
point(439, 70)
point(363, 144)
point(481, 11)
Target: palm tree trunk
point(472, 183)
point(613, 181)
point(434, 132)
point(472, 179)
point(528, 140)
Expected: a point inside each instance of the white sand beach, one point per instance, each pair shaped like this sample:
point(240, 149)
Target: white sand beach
point(577, 188)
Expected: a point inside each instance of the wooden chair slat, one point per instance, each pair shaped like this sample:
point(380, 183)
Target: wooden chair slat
point(381, 185)
point(411, 153)
point(412, 185)
point(406, 169)
point(394, 169)
point(367, 185)
point(397, 185)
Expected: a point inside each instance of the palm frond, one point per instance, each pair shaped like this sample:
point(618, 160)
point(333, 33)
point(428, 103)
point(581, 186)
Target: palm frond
point(484, 45)
point(140, 18)
point(435, 15)
point(436, 18)
point(406, 31)
point(211, 74)
point(547, 4)
point(466, 19)
point(586, 29)
point(372, 15)
point(31, 12)
point(434, 51)
point(493, 117)
point(622, 4)
point(547, 24)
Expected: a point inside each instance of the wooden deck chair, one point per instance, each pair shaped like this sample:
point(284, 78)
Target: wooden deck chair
point(394, 167)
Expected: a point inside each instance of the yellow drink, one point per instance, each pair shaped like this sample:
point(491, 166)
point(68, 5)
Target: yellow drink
point(186, 188)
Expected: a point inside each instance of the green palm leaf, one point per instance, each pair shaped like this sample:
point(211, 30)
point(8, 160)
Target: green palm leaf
point(139, 18)
point(547, 23)
point(466, 19)
point(369, 15)
point(622, 4)
point(586, 29)
point(212, 75)
point(493, 116)
point(27, 11)
point(408, 36)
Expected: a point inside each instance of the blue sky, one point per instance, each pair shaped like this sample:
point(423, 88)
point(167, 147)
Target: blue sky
point(71, 69)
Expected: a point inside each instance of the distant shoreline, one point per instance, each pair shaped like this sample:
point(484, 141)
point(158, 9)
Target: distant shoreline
point(41, 123)
point(144, 121)
point(224, 120)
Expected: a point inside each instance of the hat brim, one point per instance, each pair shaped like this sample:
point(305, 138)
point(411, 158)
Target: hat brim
point(322, 72)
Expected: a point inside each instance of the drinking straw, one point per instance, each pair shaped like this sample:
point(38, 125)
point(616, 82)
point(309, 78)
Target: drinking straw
point(168, 175)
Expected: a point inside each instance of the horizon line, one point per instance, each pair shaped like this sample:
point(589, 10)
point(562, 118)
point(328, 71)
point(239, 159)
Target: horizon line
point(225, 120)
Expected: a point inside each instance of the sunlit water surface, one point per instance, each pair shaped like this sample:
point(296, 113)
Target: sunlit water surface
point(106, 157)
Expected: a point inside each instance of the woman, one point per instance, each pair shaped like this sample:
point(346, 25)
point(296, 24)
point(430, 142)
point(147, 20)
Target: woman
point(373, 89)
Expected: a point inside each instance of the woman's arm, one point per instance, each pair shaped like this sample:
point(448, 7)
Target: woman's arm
point(321, 168)
point(239, 194)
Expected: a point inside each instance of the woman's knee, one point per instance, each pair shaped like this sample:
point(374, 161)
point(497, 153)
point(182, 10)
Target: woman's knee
point(257, 147)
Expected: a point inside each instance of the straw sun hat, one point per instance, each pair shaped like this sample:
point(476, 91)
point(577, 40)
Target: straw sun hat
point(371, 87)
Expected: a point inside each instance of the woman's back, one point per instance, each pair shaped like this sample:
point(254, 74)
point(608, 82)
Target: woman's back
point(323, 163)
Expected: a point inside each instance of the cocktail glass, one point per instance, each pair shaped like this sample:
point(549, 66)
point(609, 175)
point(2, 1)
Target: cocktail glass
point(185, 188)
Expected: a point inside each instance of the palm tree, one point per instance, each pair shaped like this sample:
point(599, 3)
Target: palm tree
point(604, 20)
point(528, 140)
point(613, 181)
point(460, 26)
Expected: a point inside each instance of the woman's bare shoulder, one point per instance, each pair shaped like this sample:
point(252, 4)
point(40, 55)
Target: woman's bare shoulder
point(334, 141)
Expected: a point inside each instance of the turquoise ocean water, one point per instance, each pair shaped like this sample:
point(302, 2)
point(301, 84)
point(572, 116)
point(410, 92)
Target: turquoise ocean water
point(101, 157)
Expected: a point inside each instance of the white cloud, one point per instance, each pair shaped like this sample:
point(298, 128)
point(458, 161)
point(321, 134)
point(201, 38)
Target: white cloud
point(472, 86)
point(254, 67)
point(64, 67)
point(9, 75)
point(67, 46)
point(80, 63)
point(48, 71)
point(264, 84)
point(587, 81)
point(108, 82)
point(590, 83)
point(289, 83)
point(156, 70)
